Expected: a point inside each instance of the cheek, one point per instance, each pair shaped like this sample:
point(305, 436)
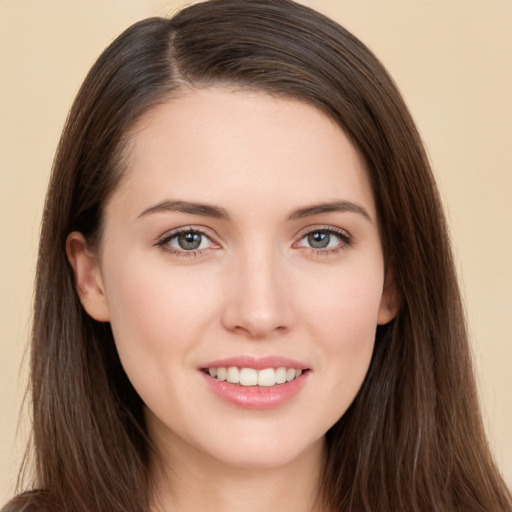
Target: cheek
point(157, 315)
point(344, 306)
point(343, 322)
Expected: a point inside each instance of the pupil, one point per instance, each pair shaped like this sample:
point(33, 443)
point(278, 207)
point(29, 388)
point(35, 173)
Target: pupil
point(189, 241)
point(319, 240)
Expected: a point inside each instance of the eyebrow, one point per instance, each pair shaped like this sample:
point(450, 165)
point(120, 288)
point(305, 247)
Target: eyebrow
point(204, 210)
point(330, 207)
point(217, 212)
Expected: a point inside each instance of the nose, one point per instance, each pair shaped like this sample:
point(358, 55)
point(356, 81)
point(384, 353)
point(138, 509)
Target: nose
point(257, 299)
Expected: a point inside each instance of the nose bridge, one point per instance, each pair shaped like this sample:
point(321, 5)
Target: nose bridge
point(257, 302)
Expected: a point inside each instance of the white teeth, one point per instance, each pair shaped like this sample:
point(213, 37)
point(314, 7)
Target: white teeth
point(248, 377)
point(251, 377)
point(281, 375)
point(267, 377)
point(233, 375)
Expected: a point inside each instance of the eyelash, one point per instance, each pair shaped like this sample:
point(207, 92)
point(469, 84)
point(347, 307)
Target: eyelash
point(345, 238)
point(167, 238)
point(345, 241)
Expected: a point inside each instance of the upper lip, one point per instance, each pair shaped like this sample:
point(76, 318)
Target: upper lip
point(258, 363)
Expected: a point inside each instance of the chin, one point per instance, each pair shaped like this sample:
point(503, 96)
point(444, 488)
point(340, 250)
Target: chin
point(265, 452)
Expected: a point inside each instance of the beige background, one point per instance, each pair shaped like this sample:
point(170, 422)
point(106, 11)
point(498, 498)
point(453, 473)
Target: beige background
point(451, 59)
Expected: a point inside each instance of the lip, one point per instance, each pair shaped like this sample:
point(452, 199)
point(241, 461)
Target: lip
point(255, 397)
point(258, 363)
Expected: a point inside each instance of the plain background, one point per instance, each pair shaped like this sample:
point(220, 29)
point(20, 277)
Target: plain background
point(451, 59)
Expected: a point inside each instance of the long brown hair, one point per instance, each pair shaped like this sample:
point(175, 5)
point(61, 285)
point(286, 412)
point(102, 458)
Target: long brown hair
point(413, 438)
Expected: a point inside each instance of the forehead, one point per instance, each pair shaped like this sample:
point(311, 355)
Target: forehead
point(222, 145)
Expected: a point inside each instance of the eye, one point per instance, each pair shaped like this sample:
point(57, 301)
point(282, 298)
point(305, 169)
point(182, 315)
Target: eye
point(326, 240)
point(186, 241)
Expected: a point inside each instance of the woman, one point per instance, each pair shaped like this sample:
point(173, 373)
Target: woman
point(245, 293)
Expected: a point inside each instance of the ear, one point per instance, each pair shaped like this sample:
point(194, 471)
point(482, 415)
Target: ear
point(390, 301)
point(88, 278)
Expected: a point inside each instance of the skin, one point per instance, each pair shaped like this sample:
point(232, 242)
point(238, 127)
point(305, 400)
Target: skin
point(256, 287)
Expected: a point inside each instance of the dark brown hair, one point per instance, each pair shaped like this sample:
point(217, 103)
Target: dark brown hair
point(413, 438)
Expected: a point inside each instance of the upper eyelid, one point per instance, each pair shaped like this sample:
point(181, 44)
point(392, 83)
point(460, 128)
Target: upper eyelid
point(186, 229)
point(320, 227)
point(163, 242)
point(214, 238)
point(345, 238)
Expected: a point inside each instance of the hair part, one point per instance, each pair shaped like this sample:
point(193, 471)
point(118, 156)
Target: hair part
point(413, 438)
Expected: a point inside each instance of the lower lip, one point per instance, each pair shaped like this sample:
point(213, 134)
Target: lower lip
point(256, 397)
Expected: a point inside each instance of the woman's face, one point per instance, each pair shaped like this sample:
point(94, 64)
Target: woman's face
point(242, 242)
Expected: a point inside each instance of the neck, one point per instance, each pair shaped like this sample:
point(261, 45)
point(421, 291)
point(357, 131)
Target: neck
point(195, 481)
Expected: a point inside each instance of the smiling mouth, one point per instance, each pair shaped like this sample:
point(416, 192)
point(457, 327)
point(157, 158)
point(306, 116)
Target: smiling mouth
point(250, 377)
